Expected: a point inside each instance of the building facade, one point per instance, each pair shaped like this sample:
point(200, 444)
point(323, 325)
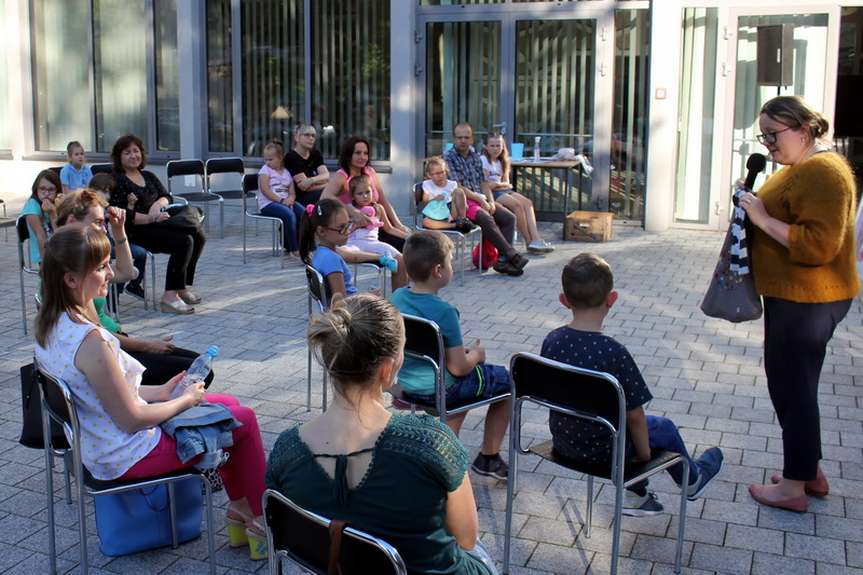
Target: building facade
point(661, 96)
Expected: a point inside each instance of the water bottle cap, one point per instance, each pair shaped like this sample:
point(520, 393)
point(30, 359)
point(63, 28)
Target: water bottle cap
point(213, 351)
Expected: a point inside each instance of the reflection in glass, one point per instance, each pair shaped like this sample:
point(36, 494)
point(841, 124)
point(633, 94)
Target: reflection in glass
point(696, 110)
point(120, 70)
point(351, 74)
point(554, 86)
point(61, 73)
point(809, 55)
point(629, 122)
point(463, 80)
point(167, 76)
point(272, 40)
point(220, 95)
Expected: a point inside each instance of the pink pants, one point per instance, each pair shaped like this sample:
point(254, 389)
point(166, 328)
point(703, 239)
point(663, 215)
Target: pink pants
point(243, 474)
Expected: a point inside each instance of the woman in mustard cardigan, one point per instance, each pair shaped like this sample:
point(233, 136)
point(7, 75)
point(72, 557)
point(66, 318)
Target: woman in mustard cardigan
point(804, 265)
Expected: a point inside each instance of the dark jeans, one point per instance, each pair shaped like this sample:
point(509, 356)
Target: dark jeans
point(662, 435)
point(795, 342)
point(307, 198)
point(184, 247)
point(139, 259)
point(163, 366)
point(395, 241)
point(498, 229)
point(290, 217)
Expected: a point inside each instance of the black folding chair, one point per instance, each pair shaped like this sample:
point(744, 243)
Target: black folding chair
point(592, 396)
point(250, 186)
point(459, 238)
point(318, 303)
point(423, 341)
point(225, 166)
point(102, 168)
point(200, 195)
point(58, 406)
point(24, 264)
point(303, 537)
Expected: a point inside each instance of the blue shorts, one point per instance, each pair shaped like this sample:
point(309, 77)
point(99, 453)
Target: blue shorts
point(483, 382)
point(500, 193)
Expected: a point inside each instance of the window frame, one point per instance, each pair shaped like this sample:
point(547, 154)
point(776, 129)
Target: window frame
point(154, 156)
point(381, 166)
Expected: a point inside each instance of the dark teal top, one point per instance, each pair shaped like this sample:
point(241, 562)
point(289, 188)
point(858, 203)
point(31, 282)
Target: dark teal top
point(415, 462)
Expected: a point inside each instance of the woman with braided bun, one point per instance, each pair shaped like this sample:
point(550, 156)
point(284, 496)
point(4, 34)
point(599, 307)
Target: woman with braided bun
point(402, 478)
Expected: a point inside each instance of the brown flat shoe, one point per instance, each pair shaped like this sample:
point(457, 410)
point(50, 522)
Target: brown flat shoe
point(817, 487)
point(797, 504)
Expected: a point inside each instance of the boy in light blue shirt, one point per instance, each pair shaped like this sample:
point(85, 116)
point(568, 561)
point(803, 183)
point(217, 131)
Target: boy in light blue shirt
point(428, 260)
point(75, 174)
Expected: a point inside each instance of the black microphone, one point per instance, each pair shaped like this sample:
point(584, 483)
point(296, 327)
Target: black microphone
point(755, 164)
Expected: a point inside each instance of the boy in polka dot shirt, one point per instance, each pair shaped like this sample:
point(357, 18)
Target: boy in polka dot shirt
point(588, 292)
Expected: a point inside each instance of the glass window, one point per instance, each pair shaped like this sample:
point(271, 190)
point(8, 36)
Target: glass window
point(848, 127)
point(629, 122)
point(120, 70)
point(167, 77)
point(273, 88)
point(351, 74)
point(463, 80)
point(220, 94)
point(61, 73)
point(458, 2)
point(695, 119)
point(554, 101)
point(5, 136)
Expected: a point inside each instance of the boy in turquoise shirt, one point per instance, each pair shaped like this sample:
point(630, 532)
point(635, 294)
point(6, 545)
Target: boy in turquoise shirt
point(428, 260)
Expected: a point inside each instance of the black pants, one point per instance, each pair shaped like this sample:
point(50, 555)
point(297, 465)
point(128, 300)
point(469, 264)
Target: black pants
point(795, 342)
point(184, 247)
point(395, 241)
point(498, 229)
point(163, 366)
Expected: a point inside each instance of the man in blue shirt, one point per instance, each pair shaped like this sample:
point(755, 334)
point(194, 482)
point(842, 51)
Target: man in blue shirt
point(497, 222)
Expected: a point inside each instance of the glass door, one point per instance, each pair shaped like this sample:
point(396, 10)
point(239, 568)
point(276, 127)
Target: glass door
point(798, 56)
point(462, 68)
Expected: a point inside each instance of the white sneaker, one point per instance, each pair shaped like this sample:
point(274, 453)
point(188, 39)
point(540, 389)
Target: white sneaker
point(536, 247)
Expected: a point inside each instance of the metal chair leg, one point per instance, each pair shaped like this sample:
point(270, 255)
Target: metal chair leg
point(153, 277)
point(589, 513)
point(222, 218)
point(681, 523)
point(211, 530)
point(510, 489)
point(618, 515)
point(309, 379)
point(172, 512)
point(23, 301)
point(49, 489)
point(67, 465)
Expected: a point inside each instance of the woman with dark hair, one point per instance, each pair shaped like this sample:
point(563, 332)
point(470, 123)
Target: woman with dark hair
point(145, 199)
point(354, 161)
point(40, 211)
point(804, 266)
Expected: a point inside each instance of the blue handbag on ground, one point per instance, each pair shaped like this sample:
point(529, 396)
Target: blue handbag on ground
point(139, 520)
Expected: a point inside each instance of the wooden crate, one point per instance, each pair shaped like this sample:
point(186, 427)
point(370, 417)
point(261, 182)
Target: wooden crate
point(583, 226)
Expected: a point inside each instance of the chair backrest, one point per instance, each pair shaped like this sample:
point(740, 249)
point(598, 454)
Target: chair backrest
point(193, 167)
point(423, 340)
point(22, 229)
point(225, 166)
point(250, 183)
point(23, 232)
point(317, 288)
point(59, 405)
point(592, 395)
point(56, 169)
point(101, 168)
point(304, 537)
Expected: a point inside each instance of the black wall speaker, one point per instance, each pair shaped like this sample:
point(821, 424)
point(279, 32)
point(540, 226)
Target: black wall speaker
point(776, 55)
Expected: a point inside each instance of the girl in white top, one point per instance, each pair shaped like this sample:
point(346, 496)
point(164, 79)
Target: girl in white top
point(495, 169)
point(277, 197)
point(119, 418)
point(365, 238)
point(445, 201)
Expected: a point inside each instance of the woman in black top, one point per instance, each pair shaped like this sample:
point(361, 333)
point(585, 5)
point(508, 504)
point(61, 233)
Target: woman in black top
point(144, 198)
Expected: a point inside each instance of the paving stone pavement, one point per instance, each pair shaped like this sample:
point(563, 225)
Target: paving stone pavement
point(705, 374)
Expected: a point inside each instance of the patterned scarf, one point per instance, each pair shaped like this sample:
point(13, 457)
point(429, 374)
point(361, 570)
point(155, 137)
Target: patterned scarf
point(739, 249)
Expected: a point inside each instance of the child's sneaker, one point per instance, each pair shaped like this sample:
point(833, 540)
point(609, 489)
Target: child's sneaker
point(463, 225)
point(636, 505)
point(490, 466)
point(709, 465)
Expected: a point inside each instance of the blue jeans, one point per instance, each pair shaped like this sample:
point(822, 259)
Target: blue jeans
point(290, 217)
point(663, 436)
point(483, 382)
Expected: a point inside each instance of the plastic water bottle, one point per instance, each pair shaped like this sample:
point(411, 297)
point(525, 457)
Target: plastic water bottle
point(536, 142)
point(198, 371)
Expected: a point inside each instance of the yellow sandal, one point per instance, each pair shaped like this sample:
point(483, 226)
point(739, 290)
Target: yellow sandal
point(239, 535)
